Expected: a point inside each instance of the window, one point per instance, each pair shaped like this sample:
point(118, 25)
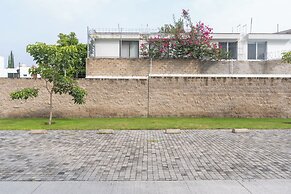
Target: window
point(257, 50)
point(13, 75)
point(261, 54)
point(129, 49)
point(230, 48)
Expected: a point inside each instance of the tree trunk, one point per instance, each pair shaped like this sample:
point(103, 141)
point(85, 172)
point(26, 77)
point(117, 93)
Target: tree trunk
point(51, 108)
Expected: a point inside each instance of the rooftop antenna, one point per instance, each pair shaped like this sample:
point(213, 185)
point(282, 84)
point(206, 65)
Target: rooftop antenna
point(238, 28)
point(251, 27)
point(244, 29)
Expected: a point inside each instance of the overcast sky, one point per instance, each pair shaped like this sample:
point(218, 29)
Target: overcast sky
point(28, 21)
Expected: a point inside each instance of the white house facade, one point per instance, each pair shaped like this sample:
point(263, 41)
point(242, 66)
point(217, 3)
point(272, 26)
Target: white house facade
point(17, 72)
point(251, 46)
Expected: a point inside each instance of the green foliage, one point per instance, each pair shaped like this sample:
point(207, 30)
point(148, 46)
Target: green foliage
point(68, 52)
point(11, 60)
point(67, 39)
point(287, 57)
point(78, 94)
point(24, 94)
point(57, 65)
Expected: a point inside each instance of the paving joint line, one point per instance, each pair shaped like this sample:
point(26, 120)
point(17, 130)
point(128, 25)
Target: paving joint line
point(36, 187)
point(244, 186)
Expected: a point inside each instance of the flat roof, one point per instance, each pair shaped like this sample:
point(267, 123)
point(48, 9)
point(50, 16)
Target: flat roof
point(268, 36)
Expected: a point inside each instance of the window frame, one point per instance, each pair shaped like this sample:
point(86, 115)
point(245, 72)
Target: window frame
point(256, 47)
point(129, 47)
point(227, 48)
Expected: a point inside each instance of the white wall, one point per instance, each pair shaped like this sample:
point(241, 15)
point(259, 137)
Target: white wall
point(275, 48)
point(24, 71)
point(5, 71)
point(107, 48)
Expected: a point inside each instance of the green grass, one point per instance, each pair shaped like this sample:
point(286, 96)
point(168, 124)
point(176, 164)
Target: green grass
point(146, 123)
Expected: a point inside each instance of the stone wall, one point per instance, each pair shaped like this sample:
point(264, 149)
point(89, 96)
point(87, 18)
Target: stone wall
point(117, 67)
point(142, 67)
point(168, 96)
point(106, 98)
point(220, 97)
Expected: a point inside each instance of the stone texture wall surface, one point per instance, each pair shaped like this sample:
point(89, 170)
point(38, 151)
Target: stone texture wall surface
point(220, 97)
point(117, 67)
point(142, 67)
point(168, 96)
point(106, 98)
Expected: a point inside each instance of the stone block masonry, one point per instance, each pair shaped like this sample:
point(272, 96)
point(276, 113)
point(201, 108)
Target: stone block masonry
point(159, 96)
point(220, 96)
point(143, 67)
point(106, 98)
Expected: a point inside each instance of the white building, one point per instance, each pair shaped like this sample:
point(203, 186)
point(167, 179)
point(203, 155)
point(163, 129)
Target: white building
point(252, 46)
point(16, 72)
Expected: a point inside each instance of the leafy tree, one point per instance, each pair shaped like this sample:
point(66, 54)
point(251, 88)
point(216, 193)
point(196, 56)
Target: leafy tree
point(79, 67)
point(287, 57)
point(182, 39)
point(11, 60)
point(56, 67)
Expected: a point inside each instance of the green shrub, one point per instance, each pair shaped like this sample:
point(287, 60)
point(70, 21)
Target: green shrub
point(287, 57)
point(24, 94)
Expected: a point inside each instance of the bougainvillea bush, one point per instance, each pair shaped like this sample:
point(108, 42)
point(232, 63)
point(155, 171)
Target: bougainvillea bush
point(183, 39)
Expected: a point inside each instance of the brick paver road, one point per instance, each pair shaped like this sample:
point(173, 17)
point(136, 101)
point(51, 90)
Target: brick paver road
point(145, 155)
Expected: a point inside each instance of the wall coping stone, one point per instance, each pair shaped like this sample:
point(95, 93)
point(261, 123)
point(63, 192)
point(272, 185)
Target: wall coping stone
point(192, 75)
point(225, 75)
point(116, 77)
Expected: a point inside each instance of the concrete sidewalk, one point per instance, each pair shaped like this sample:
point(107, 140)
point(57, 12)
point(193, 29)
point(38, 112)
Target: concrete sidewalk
point(274, 186)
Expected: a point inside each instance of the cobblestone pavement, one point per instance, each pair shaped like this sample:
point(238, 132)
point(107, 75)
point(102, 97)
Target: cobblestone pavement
point(145, 155)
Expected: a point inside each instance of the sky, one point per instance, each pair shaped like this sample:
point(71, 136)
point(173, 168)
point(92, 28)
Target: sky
point(26, 22)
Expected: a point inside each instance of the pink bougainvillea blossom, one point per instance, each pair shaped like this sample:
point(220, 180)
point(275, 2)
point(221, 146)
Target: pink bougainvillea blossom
point(174, 42)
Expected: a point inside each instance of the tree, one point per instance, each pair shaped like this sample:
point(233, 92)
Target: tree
point(182, 39)
point(56, 67)
point(79, 67)
point(287, 57)
point(11, 60)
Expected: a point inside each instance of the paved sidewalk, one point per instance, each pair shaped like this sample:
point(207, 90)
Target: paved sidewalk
point(149, 187)
point(145, 155)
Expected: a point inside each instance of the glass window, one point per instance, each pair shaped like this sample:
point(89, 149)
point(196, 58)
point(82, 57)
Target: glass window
point(232, 49)
point(133, 50)
point(261, 50)
point(252, 51)
point(125, 49)
point(129, 49)
point(257, 50)
point(223, 46)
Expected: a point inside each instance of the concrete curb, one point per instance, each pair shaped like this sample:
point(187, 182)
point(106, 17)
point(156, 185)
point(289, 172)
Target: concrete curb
point(271, 186)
